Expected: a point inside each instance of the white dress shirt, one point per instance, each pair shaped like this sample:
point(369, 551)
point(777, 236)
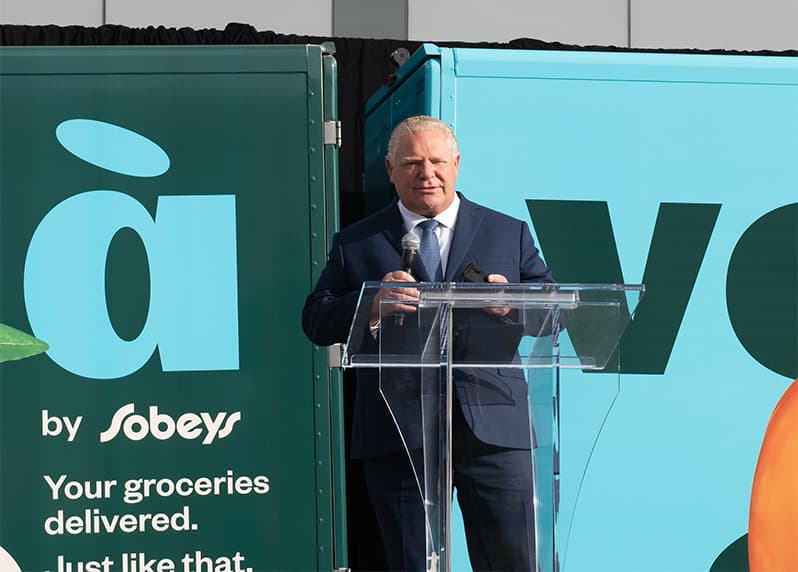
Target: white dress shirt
point(444, 231)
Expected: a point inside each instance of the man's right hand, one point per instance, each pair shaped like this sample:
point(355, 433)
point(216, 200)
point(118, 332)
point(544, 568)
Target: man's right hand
point(410, 294)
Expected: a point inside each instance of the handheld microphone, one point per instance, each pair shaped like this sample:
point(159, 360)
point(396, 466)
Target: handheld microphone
point(410, 245)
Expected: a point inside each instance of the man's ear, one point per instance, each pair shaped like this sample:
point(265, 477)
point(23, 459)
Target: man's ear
point(389, 168)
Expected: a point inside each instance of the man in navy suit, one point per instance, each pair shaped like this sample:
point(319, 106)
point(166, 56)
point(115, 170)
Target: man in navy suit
point(492, 469)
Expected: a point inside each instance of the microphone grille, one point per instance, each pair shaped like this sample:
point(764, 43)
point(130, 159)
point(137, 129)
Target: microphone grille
point(411, 241)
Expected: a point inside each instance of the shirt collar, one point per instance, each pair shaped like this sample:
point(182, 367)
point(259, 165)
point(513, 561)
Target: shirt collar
point(447, 218)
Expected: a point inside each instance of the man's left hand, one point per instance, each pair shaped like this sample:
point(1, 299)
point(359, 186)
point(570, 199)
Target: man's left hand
point(498, 310)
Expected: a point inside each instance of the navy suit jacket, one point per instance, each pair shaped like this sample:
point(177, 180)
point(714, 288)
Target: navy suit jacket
point(493, 401)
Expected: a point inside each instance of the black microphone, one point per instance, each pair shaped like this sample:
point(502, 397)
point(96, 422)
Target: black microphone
point(410, 245)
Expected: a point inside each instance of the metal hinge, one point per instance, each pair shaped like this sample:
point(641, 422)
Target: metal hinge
point(335, 353)
point(332, 133)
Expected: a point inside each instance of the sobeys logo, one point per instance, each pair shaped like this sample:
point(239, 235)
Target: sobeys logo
point(163, 426)
point(192, 255)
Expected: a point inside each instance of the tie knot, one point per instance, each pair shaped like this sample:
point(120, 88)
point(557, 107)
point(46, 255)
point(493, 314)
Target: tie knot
point(428, 225)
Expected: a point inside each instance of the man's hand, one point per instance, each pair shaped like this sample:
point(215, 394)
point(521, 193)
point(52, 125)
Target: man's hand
point(498, 310)
point(410, 294)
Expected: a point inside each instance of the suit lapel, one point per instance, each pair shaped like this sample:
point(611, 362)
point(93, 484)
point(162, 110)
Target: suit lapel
point(469, 219)
point(394, 229)
point(392, 226)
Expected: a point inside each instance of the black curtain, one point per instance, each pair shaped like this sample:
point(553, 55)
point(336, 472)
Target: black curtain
point(363, 66)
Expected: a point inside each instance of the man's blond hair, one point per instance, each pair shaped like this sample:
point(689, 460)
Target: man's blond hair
point(417, 124)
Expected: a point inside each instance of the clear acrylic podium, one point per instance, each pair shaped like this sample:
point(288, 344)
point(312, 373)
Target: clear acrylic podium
point(456, 327)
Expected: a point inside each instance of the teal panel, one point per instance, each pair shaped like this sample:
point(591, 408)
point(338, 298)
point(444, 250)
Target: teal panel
point(643, 137)
point(634, 67)
point(198, 290)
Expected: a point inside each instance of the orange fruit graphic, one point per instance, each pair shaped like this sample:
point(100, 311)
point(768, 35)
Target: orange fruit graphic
point(773, 520)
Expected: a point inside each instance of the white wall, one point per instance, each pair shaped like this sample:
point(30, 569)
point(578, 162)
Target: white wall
point(719, 24)
point(79, 12)
point(307, 17)
point(583, 22)
point(704, 24)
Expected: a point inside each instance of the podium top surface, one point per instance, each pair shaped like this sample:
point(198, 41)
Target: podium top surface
point(489, 325)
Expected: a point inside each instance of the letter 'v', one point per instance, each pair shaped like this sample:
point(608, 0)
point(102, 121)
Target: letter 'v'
point(578, 242)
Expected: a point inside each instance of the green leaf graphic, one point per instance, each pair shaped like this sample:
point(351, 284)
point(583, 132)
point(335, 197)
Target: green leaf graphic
point(17, 345)
point(734, 557)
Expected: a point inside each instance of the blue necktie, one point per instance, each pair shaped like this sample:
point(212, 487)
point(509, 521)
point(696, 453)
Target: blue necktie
point(430, 250)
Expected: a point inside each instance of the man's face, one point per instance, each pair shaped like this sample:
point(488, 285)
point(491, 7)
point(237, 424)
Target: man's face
point(425, 172)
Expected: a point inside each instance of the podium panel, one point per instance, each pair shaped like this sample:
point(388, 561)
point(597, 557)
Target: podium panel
point(490, 349)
